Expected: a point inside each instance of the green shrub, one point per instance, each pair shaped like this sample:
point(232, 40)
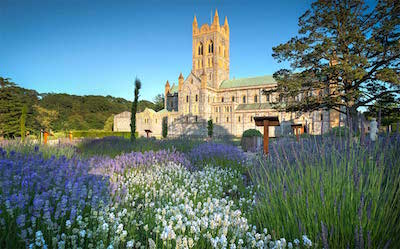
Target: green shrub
point(101, 134)
point(165, 127)
point(210, 128)
point(252, 133)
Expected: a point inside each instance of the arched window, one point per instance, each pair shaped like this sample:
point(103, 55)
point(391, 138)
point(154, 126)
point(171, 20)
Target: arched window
point(268, 98)
point(227, 119)
point(255, 98)
point(239, 119)
point(200, 49)
point(211, 47)
point(233, 98)
point(196, 119)
point(187, 98)
point(244, 99)
point(197, 97)
point(222, 99)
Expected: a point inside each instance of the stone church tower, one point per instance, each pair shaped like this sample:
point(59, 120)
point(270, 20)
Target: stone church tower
point(207, 93)
point(210, 51)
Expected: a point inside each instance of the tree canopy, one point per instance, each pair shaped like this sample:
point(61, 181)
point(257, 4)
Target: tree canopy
point(12, 102)
point(346, 56)
point(57, 111)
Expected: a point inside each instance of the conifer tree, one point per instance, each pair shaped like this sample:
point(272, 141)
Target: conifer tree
point(138, 85)
point(23, 122)
point(165, 127)
point(210, 128)
point(346, 56)
point(10, 108)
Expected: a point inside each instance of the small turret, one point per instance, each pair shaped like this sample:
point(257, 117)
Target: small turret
point(226, 25)
point(167, 88)
point(215, 22)
point(180, 82)
point(195, 26)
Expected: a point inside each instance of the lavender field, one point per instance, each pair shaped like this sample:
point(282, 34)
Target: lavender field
point(324, 192)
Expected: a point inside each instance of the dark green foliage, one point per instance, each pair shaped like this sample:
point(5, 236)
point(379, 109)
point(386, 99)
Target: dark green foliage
point(109, 124)
point(82, 112)
point(388, 107)
point(158, 102)
point(210, 128)
point(345, 57)
point(165, 127)
point(138, 85)
point(12, 100)
point(23, 122)
point(252, 133)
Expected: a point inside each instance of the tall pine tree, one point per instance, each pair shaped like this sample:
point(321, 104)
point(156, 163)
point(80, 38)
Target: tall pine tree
point(138, 85)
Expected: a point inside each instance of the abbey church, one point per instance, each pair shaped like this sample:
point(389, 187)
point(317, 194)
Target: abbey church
point(208, 93)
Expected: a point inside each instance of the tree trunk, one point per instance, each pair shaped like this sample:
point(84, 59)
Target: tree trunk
point(353, 120)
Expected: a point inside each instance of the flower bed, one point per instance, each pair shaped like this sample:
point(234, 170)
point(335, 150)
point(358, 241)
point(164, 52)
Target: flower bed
point(136, 200)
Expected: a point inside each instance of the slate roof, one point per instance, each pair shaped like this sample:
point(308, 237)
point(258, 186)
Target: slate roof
point(254, 106)
point(244, 82)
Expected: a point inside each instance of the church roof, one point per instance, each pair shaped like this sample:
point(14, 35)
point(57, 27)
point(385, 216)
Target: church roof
point(254, 106)
point(174, 89)
point(245, 82)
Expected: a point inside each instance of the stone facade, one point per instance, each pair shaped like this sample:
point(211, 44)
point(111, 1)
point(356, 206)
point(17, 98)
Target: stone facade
point(208, 93)
point(122, 122)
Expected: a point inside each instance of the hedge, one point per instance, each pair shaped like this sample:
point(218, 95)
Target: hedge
point(100, 134)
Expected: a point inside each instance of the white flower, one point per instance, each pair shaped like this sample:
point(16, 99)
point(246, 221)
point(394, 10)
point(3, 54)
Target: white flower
point(152, 244)
point(190, 242)
point(306, 241)
point(129, 244)
point(105, 227)
point(68, 224)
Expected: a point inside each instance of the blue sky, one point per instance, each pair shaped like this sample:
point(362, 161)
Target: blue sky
point(99, 47)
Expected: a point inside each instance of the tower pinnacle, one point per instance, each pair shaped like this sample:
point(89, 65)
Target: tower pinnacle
point(226, 21)
point(216, 18)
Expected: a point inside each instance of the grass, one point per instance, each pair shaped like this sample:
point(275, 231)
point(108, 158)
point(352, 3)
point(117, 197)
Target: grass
point(340, 193)
point(113, 146)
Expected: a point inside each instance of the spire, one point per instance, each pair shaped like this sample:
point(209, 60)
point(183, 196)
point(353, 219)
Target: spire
point(167, 88)
point(195, 21)
point(216, 18)
point(181, 76)
point(195, 26)
point(226, 22)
